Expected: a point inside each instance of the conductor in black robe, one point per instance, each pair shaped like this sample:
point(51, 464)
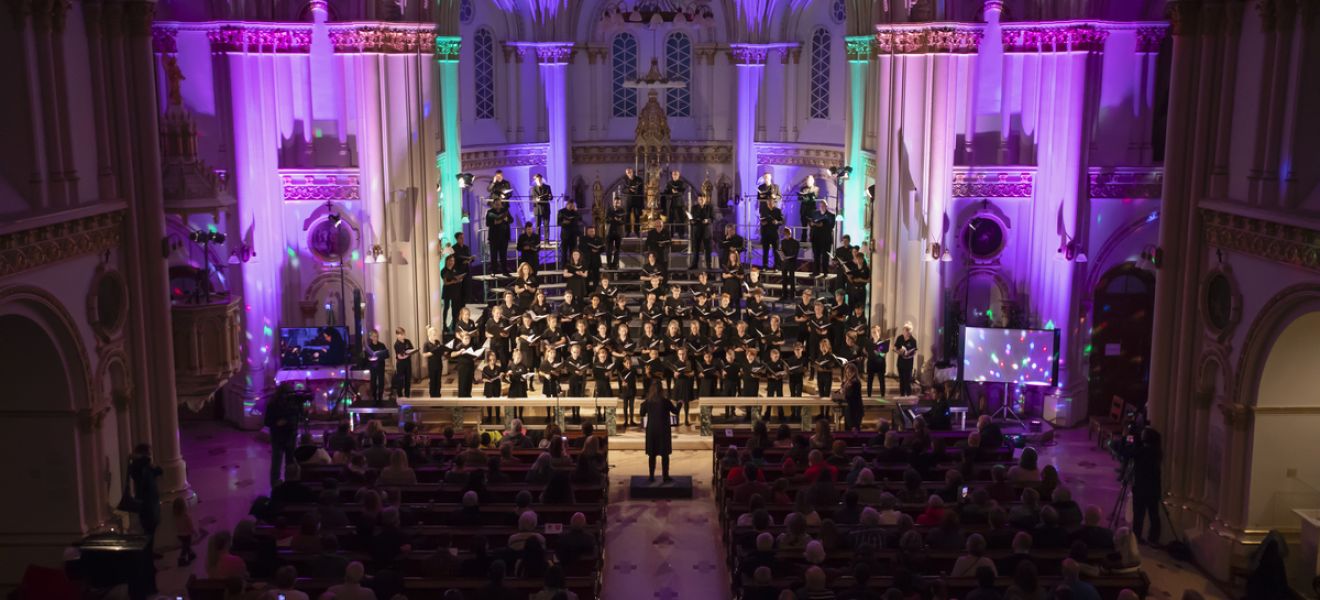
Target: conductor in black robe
point(657, 409)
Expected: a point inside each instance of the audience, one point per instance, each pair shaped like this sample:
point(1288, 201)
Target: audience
point(554, 586)
point(1026, 469)
point(351, 588)
point(220, 563)
point(576, 543)
point(282, 586)
point(974, 560)
point(1026, 584)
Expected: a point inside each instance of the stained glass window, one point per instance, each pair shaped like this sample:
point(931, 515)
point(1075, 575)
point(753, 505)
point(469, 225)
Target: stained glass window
point(820, 74)
point(625, 68)
point(483, 66)
point(678, 61)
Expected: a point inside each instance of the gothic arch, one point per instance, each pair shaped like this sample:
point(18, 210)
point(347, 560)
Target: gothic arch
point(1272, 319)
point(48, 313)
point(1108, 257)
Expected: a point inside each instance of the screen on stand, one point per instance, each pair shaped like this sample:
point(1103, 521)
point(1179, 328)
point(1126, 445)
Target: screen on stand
point(1019, 356)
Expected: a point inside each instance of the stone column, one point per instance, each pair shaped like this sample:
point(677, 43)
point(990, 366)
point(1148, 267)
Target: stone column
point(105, 176)
point(750, 62)
point(552, 61)
point(859, 64)
point(451, 197)
point(148, 208)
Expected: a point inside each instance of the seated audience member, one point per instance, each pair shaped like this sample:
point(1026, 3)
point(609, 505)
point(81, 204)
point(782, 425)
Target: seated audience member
point(992, 437)
point(795, 537)
point(762, 555)
point(220, 562)
point(868, 532)
point(1081, 555)
point(532, 561)
point(762, 586)
point(477, 564)
point(814, 553)
point(1070, 514)
point(495, 470)
point(389, 541)
point(308, 538)
point(588, 430)
point(1026, 469)
point(783, 436)
point(398, 472)
point(468, 514)
point(328, 510)
point(1092, 533)
point(868, 491)
point(977, 509)
point(1026, 584)
point(1026, 514)
point(341, 440)
point(985, 585)
point(554, 586)
point(1022, 543)
point(292, 490)
point(328, 563)
point(850, 512)
point(893, 451)
point(818, 469)
point(282, 585)
point(839, 455)
point(357, 471)
point(803, 507)
point(755, 506)
point(912, 553)
point(586, 472)
point(861, 589)
point(495, 588)
point(974, 560)
point(889, 513)
point(527, 523)
point(309, 452)
point(1000, 534)
point(559, 490)
point(576, 543)
point(559, 457)
point(1049, 480)
point(829, 535)
point(1048, 534)
point(753, 483)
point(934, 513)
point(378, 455)
point(953, 484)
point(913, 491)
point(948, 536)
point(517, 436)
point(814, 586)
point(1000, 489)
point(351, 588)
point(540, 471)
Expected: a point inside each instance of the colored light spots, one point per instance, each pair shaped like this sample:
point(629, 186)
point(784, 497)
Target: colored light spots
point(318, 133)
point(267, 331)
point(1049, 324)
point(1087, 349)
point(994, 358)
point(211, 227)
point(354, 256)
point(291, 252)
point(990, 313)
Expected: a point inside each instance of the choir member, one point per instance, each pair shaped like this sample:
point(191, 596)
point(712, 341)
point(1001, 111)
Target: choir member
point(658, 240)
point(822, 235)
point(710, 374)
point(616, 220)
point(499, 188)
point(673, 201)
point(451, 293)
point(770, 216)
point(675, 306)
point(773, 336)
point(550, 372)
point(775, 373)
point(824, 365)
point(541, 312)
point(593, 248)
point(751, 370)
point(403, 351)
point(633, 187)
point(570, 228)
point(731, 244)
point(577, 369)
point(575, 274)
point(818, 327)
point(541, 195)
point(491, 375)
point(377, 353)
point(529, 247)
point(498, 221)
point(517, 376)
point(796, 365)
point(703, 214)
point(652, 268)
point(733, 279)
point(465, 355)
point(620, 313)
point(859, 276)
point(465, 323)
point(434, 354)
point(570, 310)
point(525, 285)
point(788, 263)
point(462, 264)
point(807, 195)
point(906, 347)
point(606, 291)
point(877, 349)
point(499, 330)
point(685, 372)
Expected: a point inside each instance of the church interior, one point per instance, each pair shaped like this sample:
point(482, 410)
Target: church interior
point(406, 299)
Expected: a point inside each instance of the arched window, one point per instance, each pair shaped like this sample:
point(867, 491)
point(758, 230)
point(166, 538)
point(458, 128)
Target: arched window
point(820, 74)
point(678, 61)
point(483, 68)
point(625, 68)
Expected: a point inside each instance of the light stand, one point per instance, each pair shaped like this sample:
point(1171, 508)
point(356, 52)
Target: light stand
point(345, 394)
point(1006, 411)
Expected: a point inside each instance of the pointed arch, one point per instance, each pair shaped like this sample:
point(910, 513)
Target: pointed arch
point(820, 74)
point(483, 73)
point(624, 63)
point(678, 64)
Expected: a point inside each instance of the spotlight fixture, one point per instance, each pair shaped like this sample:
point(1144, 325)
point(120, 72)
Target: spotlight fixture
point(841, 172)
point(1072, 252)
point(206, 237)
point(464, 180)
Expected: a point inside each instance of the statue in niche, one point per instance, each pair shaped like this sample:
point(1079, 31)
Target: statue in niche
point(597, 201)
point(725, 195)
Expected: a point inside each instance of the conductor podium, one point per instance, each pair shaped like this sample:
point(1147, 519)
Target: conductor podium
point(642, 488)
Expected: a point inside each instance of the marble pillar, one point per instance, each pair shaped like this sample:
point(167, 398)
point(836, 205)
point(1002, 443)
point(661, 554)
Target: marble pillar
point(750, 62)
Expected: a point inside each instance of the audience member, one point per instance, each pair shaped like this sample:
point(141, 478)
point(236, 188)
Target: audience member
point(1026, 584)
point(527, 523)
point(576, 543)
point(1026, 469)
point(985, 585)
point(495, 588)
point(1026, 514)
point(554, 586)
point(814, 586)
point(398, 472)
point(220, 562)
point(1070, 514)
point(282, 587)
point(934, 513)
point(378, 456)
point(1092, 533)
point(974, 560)
point(1048, 534)
point(351, 588)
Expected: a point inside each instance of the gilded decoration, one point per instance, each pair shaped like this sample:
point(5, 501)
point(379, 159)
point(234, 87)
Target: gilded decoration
point(797, 156)
point(1126, 184)
point(1278, 242)
point(345, 38)
point(523, 155)
point(995, 184)
point(859, 47)
point(680, 154)
point(319, 186)
point(40, 246)
point(928, 39)
point(447, 47)
point(1043, 38)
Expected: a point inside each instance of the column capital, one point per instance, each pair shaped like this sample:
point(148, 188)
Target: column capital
point(1149, 39)
point(447, 47)
point(859, 47)
point(546, 53)
point(1054, 38)
point(928, 39)
point(164, 40)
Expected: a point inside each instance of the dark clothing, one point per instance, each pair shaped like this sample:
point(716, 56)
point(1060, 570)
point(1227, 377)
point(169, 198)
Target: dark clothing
point(634, 200)
point(771, 219)
point(143, 479)
point(907, 350)
point(529, 249)
point(541, 196)
point(657, 409)
point(658, 242)
point(434, 365)
point(616, 222)
point(377, 353)
point(806, 208)
point(702, 217)
point(282, 415)
point(403, 367)
point(497, 225)
point(853, 407)
point(570, 229)
point(822, 236)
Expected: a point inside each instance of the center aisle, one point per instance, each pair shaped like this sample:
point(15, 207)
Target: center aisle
point(663, 549)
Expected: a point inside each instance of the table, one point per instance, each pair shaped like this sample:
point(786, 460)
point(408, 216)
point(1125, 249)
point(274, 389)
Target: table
point(457, 405)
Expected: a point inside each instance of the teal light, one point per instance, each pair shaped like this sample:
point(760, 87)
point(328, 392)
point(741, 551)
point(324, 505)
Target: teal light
point(211, 228)
point(1049, 324)
point(854, 212)
point(354, 256)
point(447, 162)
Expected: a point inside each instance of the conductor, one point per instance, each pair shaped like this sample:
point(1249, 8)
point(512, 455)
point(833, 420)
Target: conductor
point(657, 409)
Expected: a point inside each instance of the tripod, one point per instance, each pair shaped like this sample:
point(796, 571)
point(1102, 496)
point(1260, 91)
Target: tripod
point(1120, 503)
point(1006, 411)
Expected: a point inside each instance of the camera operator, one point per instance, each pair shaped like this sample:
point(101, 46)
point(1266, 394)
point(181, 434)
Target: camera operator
point(1143, 456)
point(283, 413)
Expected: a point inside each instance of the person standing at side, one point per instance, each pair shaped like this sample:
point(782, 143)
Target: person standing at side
point(434, 353)
point(498, 220)
point(377, 353)
point(703, 214)
point(143, 478)
point(853, 408)
point(822, 235)
point(541, 195)
point(807, 205)
point(462, 265)
point(657, 409)
point(282, 413)
point(403, 351)
point(906, 347)
point(451, 293)
point(787, 261)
